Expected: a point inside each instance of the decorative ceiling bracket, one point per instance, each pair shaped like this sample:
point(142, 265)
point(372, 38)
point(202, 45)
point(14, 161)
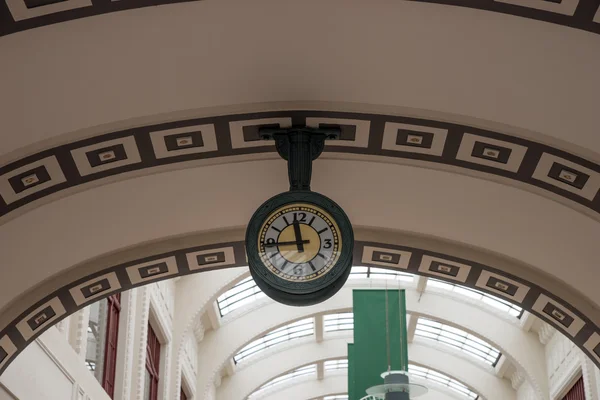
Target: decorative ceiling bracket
point(300, 146)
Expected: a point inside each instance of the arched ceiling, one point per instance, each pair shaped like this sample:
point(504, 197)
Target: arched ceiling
point(74, 88)
point(219, 347)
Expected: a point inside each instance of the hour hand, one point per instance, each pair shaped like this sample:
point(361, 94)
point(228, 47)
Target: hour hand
point(298, 235)
point(295, 242)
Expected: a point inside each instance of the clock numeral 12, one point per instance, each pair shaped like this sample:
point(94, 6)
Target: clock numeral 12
point(302, 217)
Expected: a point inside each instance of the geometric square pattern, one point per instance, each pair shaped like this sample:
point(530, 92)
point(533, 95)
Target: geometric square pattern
point(210, 258)
point(41, 317)
point(558, 314)
point(24, 9)
point(444, 268)
point(562, 173)
point(354, 132)
point(414, 138)
point(107, 155)
point(491, 152)
point(245, 134)
point(184, 141)
point(152, 270)
point(30, 179)
point(566, 7)
point(593, 346)
point(94, 288)
point(502, 286)
point(567, 175)
point(407, 137)
point(386, 257)
point(40, 3)
point(7, 349)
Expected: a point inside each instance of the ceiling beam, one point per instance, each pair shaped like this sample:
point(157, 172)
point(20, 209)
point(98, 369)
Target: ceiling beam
point(527, 321)
point(213, 316)
point(319, 329)
point(412, 327)
point(320, 370)
point(421, 284)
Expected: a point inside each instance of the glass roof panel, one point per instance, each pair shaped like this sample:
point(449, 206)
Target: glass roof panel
point(295, 330)
point(457, 338)
point(489, 299)
point(331, 365)
point(242, 293)
point(302, 371)
point(338, 322)
point(442, 379)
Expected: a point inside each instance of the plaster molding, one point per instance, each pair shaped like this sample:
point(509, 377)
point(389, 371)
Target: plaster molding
point(142, 329)
point(517, 379)
point(129, 314)
point(199, 330)
point(546, 333)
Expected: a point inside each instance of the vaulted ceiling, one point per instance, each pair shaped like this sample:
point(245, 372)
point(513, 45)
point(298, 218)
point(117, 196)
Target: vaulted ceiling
point(469, 131)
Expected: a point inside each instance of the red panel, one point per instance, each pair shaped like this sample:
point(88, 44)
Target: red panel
point(110, 350)
point(153, 362)
point(577, 392)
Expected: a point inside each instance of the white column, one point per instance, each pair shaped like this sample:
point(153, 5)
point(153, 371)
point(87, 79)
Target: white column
point(126, 345)
point(78, 331)
point(142, 309)
point(319, 328)
point(591, 378)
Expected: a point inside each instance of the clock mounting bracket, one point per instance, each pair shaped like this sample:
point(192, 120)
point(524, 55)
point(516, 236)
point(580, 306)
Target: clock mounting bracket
point(300, 146)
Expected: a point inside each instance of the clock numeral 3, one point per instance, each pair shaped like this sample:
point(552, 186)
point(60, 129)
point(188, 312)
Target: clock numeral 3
point(327, 244)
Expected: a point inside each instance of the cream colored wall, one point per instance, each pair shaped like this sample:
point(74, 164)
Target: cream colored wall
point(49, 369)
point(216, 53)
point(53, 365)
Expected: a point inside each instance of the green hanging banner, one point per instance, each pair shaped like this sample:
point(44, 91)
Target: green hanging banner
point(380, 342)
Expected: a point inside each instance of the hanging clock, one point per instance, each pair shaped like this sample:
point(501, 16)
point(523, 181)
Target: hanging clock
point(299, 243)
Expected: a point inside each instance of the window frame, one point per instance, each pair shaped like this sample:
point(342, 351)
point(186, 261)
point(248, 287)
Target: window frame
point(153, 355)
point(459, 339)
point(295, 330)
point(109, 374)
point(440, 378)
point(492, 300)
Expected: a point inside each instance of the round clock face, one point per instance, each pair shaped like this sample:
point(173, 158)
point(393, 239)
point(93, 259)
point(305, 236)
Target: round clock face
point(299, 242)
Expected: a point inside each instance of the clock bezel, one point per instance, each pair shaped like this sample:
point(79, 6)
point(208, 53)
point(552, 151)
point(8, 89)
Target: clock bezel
point(329, 278)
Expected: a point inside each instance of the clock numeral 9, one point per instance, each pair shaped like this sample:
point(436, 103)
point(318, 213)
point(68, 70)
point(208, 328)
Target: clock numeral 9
point(327, 244)
point(302, 217)
point(270, 240)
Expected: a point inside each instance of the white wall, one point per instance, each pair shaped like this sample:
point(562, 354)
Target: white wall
point(53, 366)
point(49, 369)
point(526, 392)
point(563, 363)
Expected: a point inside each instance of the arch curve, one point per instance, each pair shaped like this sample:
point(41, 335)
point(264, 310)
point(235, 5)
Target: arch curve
point(416, 255)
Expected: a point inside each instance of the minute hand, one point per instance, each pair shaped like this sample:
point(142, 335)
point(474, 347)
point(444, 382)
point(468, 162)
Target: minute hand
point(286, 243)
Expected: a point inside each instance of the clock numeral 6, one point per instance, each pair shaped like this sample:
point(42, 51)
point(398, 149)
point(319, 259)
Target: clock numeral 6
point(302, 217)
point(327, 244)
point(298, 270)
